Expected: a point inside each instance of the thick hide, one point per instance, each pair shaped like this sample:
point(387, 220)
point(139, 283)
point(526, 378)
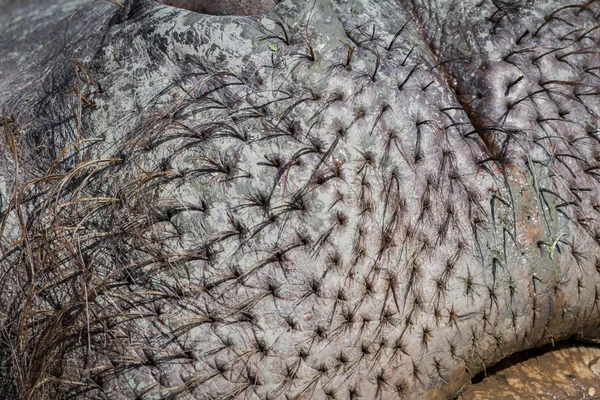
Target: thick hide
point(329, 199)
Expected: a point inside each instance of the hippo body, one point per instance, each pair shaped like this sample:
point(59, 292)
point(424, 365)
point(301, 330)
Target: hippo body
point(328, 200)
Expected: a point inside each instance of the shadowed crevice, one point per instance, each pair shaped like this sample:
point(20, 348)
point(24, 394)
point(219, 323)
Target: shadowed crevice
point(567, 370)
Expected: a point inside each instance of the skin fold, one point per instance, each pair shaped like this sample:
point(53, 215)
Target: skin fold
point(326, 199)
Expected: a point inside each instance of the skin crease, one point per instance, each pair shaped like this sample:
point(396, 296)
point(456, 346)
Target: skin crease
point(333, 200)
point(223, 7)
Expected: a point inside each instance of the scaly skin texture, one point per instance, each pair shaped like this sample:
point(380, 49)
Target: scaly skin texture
point(330, 200)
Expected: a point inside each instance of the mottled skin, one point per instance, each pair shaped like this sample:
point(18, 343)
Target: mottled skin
point(223, 7)
point(362, 199)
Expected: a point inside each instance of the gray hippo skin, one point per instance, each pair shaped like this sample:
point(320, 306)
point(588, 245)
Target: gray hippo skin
point(329, 200)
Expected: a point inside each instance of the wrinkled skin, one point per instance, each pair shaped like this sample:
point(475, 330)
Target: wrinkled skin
point(362, 199)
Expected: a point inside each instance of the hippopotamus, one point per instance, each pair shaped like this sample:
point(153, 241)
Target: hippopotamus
point(296, 199)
